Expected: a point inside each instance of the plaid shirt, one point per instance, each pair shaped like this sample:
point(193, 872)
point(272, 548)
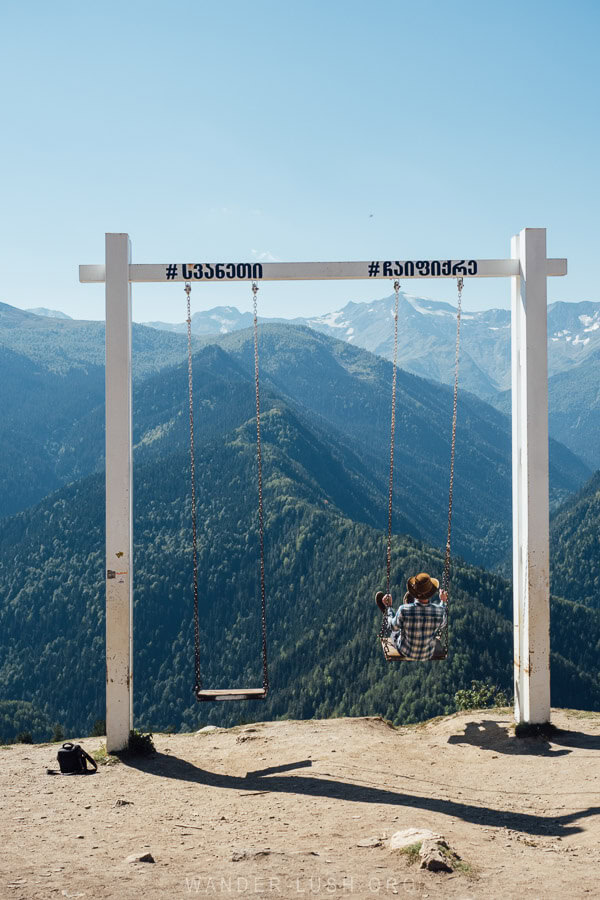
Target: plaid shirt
point(416, 625)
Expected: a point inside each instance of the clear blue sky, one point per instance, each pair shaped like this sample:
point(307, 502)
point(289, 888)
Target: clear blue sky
point(304, 131)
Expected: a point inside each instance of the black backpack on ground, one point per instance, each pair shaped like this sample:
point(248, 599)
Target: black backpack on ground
point(73, 760)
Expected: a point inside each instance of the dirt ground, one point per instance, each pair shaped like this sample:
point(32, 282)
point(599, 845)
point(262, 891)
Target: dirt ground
point(279, 810)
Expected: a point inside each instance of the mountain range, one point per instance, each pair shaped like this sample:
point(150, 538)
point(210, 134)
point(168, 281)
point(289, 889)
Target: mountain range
point(326, 412)
point(426, 340)
point(322, 568)
point(427, 331)
point(57, 420)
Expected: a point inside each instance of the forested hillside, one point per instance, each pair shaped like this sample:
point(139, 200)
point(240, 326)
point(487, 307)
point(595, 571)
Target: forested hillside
point(342, 395)
point(52, 376)
point(39, 407)
point(426, 348)
point(60, 345)
point(322, 571)
point(53, 429)
point(574, 410)
point(345, 391)
point(326, 416)
point(575, 547)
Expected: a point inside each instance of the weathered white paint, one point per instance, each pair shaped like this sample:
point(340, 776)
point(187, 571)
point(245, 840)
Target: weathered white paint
point(531, 567)
point(119, 625)
point(310, 271)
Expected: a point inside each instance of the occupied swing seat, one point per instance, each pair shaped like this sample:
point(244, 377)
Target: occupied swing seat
point(392, 654)
point(232, 694)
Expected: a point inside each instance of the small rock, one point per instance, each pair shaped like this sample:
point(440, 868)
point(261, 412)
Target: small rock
point(370, 842)
point(140, 857)
point(80, 837)
point(124, 803)
point(433, 856)
point(410, 836)
point(437, 843)
point(238, 855)
point(435, 862)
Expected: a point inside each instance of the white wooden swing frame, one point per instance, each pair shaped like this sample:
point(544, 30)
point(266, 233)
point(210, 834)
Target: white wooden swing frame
point(528, 268)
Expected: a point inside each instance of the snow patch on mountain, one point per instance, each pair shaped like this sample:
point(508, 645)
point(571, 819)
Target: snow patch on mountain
point(427, 311)
point(331, 319)
point(590, 323)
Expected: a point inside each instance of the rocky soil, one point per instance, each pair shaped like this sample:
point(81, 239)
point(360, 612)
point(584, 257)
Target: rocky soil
point(308, 809)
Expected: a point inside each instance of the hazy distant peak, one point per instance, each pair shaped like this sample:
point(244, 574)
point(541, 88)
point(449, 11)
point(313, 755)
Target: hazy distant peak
point(49, 313)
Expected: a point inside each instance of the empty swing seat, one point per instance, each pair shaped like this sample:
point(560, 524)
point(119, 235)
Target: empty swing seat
point(232, 694)
point(202, 695)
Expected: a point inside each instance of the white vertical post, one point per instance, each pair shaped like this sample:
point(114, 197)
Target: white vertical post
point(531, 567)
point(119, 606)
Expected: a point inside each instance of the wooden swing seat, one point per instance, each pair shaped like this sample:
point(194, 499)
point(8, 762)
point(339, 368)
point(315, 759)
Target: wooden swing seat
point(232, 694)
point(392, 654)
point(390, 650)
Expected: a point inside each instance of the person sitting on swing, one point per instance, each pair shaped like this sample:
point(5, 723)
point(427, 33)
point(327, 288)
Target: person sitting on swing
point(416, 624)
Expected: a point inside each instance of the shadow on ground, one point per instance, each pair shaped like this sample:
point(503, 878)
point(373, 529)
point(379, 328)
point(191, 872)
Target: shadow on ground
point(487, 734)
point(169, 766)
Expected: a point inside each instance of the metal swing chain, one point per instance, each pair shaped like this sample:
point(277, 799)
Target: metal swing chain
point(261, 521)
point(384, 626)
point(392, 435)
point(446, 576)
point(198, 682)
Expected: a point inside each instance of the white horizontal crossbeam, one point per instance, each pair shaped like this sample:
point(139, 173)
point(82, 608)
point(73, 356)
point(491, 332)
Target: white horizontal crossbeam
point(321, 271)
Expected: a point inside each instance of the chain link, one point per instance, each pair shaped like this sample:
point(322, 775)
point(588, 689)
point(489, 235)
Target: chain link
point(198, 681)
point(384, 626)
point(392, 435)
point(261, 520)
point(446, 575)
